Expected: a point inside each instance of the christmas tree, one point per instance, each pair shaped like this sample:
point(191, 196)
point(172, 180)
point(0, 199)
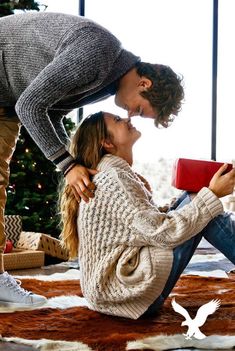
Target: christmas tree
point(7, 7)
point(33, 186)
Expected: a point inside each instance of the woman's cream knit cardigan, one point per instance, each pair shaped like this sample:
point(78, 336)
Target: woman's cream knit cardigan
point(126, 244)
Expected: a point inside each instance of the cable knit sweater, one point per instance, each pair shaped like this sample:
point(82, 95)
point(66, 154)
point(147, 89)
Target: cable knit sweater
point(126, 244)
point(51, 63)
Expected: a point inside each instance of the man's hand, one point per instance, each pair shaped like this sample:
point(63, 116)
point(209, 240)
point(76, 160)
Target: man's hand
point(223, 184)
point(79, 180)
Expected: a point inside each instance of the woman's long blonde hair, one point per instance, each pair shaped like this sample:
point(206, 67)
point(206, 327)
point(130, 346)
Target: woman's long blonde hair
point(86, 148)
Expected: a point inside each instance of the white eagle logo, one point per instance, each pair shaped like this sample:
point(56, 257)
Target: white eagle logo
point(199, 320)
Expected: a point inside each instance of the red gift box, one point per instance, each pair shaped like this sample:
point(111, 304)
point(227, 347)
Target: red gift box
point(192, 175)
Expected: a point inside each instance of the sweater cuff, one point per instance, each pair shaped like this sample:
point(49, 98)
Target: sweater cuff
point(213, 203)
point(63, 160)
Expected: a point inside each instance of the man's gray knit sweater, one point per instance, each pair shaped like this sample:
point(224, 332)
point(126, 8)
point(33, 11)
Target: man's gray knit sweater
point(51, 63)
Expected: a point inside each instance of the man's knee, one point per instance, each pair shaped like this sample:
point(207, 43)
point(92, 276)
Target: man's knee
point(4, 179)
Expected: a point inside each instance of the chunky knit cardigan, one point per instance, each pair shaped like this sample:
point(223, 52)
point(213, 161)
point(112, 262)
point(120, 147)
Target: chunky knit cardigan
point(126, 244)
point(51, 63)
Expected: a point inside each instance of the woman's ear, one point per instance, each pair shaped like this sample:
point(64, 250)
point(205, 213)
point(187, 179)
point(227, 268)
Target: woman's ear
point(108, 145)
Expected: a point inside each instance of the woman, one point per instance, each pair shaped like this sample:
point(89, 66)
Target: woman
point(131, 254)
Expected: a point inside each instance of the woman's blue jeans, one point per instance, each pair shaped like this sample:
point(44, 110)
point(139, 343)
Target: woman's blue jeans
point(220, 232)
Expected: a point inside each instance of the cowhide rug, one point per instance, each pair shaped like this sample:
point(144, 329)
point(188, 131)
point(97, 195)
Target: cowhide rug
point(66, 323)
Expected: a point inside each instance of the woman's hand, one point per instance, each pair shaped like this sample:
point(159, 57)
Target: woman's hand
point(223, 184)
point(79, 180)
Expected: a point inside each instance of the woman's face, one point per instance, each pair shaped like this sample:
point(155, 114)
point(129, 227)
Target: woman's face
point(122, 133)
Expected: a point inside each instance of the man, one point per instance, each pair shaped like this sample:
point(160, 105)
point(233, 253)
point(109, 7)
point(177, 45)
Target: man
point(51, 63)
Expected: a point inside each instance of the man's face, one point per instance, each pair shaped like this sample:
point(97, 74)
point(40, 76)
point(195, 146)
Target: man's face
point(136, 105)
point(128, 96)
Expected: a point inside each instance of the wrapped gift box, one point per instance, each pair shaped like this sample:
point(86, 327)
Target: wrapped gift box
point(13, 227)
point(42, 242)
point(20, 259)
point(192, 175)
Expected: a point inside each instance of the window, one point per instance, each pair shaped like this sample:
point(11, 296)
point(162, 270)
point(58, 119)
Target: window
point(176, 33)
point(226, 81)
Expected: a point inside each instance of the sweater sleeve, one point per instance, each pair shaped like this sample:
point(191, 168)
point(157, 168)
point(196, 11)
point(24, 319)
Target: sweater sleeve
point(56, 118)
point(151, 227)
point(78, 66)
